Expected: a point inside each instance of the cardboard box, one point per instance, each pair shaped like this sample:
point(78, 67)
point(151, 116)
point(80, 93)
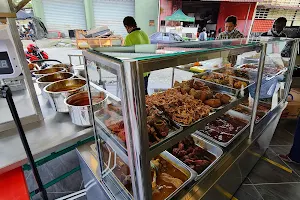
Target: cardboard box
point(292, 111)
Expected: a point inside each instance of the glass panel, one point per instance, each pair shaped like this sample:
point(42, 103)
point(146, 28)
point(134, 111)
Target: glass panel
point(275, 74)
point(143, 52)
point(109, 126)
point(181, 101)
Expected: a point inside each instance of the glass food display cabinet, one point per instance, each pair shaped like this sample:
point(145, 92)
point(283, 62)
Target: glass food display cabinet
point(210, 113)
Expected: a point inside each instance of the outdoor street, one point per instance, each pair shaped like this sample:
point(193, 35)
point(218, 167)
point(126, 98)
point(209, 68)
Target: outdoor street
point(158, 80)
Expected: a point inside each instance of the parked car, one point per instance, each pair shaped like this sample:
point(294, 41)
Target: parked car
point(165, 38)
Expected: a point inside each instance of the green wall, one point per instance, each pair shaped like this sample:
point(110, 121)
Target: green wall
point(89, 14)
point(38, 9)
point(146, 10)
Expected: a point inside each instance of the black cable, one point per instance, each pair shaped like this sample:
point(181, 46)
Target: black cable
point(6, 93)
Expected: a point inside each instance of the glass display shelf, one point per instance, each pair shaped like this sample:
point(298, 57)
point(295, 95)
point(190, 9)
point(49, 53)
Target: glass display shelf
point(140, 127)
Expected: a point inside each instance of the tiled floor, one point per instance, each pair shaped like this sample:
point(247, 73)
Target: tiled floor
point(272, 178)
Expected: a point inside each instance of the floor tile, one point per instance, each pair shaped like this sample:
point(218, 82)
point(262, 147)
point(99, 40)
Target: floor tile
point(285, 150)
point(282, 137)
point(265, 172)
point(247, 181)
point(279, 191)
point(247, 192)
point(82, 198)
point(289, 125)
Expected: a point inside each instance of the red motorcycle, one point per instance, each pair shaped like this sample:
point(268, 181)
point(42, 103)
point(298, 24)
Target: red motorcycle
point(34, 53)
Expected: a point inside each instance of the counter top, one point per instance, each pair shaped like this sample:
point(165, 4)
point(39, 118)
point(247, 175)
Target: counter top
point(54, 133)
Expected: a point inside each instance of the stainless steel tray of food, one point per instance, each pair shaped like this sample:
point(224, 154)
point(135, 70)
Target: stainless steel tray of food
point(270, 71)
point(263, 110)
point(192, 101)
point(116, 136)
point(157, 126)
point(234, 72)
point(224, 81)
point(218, 87)
point(247, 111)
point(234, 114)
point(197, 153)
point(191, 174)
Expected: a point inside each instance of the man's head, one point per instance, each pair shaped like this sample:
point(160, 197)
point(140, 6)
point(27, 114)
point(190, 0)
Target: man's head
point(279, 24)
point(129, 23)
point(204, 29)
point(230, 23)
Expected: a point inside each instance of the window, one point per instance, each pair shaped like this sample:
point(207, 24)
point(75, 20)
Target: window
point(158, 36)
point(165, 37)
point(177, 38)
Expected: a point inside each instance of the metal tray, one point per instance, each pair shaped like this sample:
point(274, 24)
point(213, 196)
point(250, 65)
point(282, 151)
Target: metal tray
point(264, 114)
point(180, 166)
point(237, 91)
point(191, 174)
point(265, 75)
point(209, 147)
point(175, 129)
point(220, 71)
point(225, 144)
point(99, 120)
point(218, 87)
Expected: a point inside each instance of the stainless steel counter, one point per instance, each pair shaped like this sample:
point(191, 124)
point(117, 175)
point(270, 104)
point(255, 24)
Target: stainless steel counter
point(54, 133)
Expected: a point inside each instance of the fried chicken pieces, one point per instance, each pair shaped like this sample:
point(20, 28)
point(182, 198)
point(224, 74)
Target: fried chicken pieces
point(223, 80)
point(202, 92)
point(180, 107)
point(157, 127)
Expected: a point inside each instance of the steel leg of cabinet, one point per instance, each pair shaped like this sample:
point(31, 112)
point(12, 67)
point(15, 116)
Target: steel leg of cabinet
point(258, 86)
point(173, 75)
point(291, 68)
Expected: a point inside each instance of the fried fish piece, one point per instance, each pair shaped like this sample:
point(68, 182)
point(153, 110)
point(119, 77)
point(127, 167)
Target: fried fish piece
point(215, 103)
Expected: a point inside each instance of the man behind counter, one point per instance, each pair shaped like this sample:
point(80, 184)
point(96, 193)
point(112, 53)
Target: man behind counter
point(136, 36)
point(277, 28)
point(230, 33)
point(230, 29)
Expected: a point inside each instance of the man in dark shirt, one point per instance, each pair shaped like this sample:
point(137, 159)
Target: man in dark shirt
point(277, 28)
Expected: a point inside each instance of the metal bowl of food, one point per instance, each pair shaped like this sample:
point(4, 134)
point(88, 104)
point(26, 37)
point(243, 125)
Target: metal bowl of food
point(80, 109)
point(43, 72)
point(68, 67)
point(60, 90)
point(47, 79)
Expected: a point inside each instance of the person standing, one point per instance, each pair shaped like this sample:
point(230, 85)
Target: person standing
point(294, 155)
point(230, 33)
point(230, 29)
point(203, 35)
point(135, 37)
point(277, 28)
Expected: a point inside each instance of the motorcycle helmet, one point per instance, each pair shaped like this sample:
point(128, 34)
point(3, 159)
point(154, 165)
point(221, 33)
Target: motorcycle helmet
point(31, 48)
